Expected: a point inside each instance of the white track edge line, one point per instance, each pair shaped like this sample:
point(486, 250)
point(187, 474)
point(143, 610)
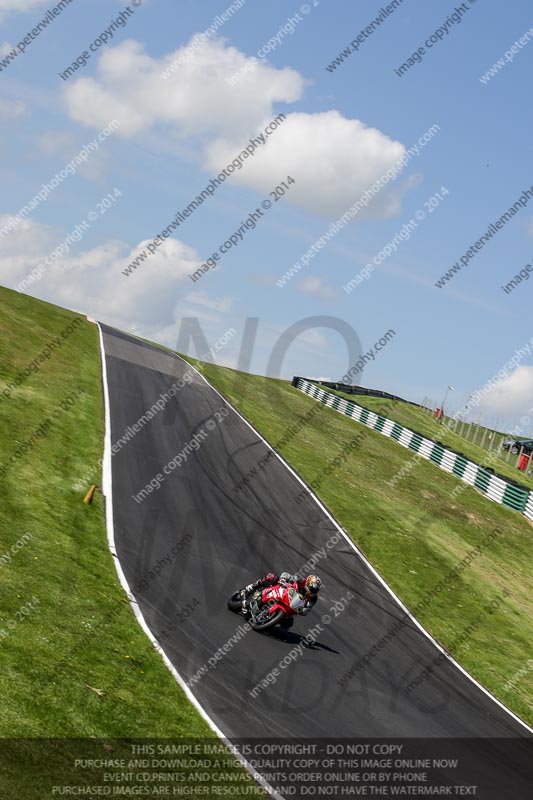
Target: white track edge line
point(107, 489)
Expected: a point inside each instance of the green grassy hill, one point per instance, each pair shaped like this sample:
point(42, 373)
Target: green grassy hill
point(423, 423)
point(80, 632)
point(75, 662)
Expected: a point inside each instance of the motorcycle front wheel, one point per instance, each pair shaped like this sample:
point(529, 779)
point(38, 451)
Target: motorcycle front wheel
point(269, 621)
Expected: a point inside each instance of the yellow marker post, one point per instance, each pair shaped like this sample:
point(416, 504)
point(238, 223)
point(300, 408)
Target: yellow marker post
point(90, 494)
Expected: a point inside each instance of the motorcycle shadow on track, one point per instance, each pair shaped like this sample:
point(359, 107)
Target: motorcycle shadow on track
point(293, 638)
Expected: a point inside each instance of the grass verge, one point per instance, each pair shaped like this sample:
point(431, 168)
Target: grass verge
point(75, 663)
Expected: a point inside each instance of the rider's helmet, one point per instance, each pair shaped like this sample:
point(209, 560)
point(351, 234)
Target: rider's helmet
point(312, 584)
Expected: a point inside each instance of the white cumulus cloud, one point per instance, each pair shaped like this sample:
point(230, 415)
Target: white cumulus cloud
point(512, 396)
point(314, 285)
point(91, 280)
point(20, 6)
point(12, 109)
point(332, 159)
point(194, 99)
point(221, 304)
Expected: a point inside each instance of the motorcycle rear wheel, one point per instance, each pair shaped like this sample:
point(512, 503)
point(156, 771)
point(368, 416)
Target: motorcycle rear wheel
point(270, 621)
point(235, 602)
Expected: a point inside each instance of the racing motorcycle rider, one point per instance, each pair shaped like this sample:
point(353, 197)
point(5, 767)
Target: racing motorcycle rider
point(307, 587)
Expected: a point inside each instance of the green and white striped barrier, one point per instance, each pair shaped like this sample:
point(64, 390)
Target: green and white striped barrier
point(493, 487)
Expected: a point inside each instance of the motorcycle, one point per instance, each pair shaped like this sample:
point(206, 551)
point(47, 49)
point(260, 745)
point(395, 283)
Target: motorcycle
point(265, 608)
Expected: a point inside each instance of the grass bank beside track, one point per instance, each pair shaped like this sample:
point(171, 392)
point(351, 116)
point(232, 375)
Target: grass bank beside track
point(77, 633)
point(75, 662)
point(421, 422)
point(411, 532)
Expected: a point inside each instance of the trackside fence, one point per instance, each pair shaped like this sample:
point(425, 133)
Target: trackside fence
point(492, 486)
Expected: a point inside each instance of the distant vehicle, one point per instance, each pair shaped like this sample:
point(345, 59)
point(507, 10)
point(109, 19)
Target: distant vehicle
point(515, 445)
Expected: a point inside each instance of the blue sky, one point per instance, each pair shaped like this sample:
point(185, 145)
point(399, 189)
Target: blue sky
point(344, 129)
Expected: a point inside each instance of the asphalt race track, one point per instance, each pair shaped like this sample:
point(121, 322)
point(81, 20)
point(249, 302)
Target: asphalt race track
point(224, 539)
